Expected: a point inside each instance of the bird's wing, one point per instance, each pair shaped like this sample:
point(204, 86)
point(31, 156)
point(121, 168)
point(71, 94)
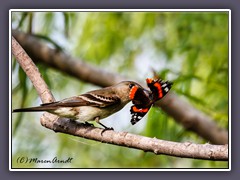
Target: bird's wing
point(88, 99)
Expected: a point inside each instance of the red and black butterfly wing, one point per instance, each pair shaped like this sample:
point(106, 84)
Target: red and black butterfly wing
point(138, 113)
point(142, 102)
point(140, 96)
point(143, 99)
point(158, 87)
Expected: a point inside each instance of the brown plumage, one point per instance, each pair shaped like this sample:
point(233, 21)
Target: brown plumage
point(93, 105)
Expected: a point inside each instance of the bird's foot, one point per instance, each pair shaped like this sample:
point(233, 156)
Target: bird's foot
point(88, 124)
point(97, 119)
point(109, 128)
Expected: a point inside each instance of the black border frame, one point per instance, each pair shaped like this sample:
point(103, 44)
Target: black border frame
point(122, 169)
point(235, 87)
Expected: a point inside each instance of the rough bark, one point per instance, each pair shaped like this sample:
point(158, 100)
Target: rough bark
point(154, 145)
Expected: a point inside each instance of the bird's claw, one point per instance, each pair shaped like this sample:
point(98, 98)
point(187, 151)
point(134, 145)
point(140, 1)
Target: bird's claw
point(106, 129)
point(109, 128)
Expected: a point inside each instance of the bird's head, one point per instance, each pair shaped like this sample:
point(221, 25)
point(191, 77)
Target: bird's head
point(127, 90)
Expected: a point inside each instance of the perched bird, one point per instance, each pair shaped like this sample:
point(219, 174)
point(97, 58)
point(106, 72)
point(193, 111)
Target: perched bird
point(94, 105)
point(143, 99)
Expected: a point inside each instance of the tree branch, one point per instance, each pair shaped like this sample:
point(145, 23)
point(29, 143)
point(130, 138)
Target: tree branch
point(180, 110)
point(64, 125)
point(157, 146)
point(32, 72)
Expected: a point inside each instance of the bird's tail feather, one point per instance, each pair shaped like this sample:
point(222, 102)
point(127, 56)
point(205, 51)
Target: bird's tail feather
point(43, 107)
point(39, 108)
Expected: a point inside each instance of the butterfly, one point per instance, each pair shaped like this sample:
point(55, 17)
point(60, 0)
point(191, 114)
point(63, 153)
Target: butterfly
point(143, 99)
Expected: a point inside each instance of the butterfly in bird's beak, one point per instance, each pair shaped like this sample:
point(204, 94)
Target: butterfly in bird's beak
point(143, 99)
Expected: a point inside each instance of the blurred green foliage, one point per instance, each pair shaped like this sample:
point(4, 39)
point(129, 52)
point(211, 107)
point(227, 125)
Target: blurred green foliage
point(189, 48)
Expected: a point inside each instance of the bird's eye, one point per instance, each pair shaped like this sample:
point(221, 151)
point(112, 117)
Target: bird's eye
point(131, 85)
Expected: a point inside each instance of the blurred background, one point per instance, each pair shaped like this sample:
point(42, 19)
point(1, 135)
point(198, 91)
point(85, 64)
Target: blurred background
point(188, 48)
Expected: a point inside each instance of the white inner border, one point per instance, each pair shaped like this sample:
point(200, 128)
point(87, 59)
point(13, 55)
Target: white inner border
point(118, 10)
